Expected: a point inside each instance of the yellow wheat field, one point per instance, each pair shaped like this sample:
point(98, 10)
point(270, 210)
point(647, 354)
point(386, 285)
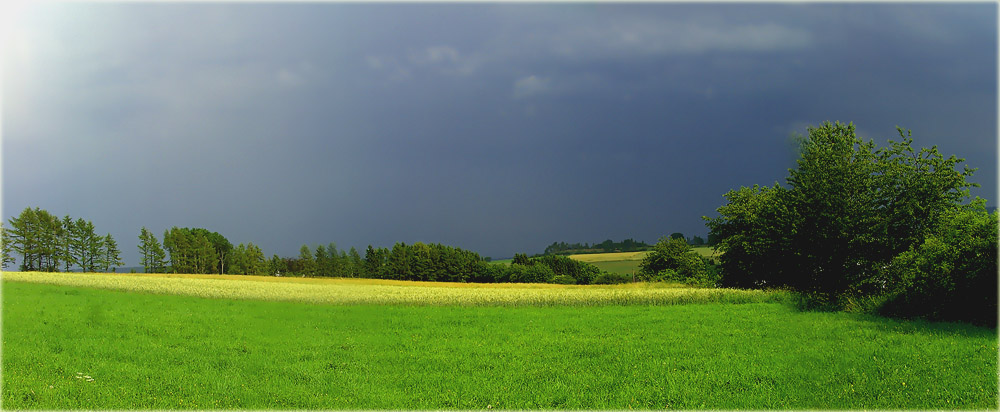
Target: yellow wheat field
point(381, 292)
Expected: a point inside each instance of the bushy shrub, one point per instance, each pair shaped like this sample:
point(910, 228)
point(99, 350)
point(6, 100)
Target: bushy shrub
point(564, 280)
point(537, 274)
point(952, 275)
point(583, 273)
point(514, 273)
point(672, 260)
point(491, 273)
point(667, 275)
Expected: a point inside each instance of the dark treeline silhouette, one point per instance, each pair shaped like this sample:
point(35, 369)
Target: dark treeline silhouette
point(435, 262)
point(607, 246)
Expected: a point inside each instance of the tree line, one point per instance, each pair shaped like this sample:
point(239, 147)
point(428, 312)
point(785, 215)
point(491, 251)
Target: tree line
point(47, 243)
point(196, 251)
point(607, 246)
point(610, 246)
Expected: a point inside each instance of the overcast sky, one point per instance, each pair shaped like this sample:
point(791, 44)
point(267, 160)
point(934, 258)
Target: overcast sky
point(498, 128)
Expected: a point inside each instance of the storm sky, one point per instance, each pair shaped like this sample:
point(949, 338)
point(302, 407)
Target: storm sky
point(498, 128)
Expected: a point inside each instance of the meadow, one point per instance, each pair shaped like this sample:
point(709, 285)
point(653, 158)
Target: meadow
point(296, 344)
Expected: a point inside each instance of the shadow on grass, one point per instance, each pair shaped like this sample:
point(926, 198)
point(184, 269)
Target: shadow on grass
point(878, 322)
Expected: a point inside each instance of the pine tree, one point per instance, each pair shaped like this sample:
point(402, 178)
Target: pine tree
point(152, 255)
point(24, 238)
point(308, 264)
point(356, 264)
point(66, 242)
point(49, 232)
point(158, 256)
point(145, 250)
point(84, 244)
point(324, 265)
point(112, 256)
point(336, 264)
point(238, 260)
point(256, 263)
point(6, 246)
point(276, 265)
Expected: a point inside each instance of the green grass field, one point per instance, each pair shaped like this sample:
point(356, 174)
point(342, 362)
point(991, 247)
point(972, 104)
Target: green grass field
point(73, 347)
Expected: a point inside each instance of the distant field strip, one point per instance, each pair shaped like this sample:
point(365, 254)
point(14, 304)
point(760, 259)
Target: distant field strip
point(631, 256)
point(371, 291)
point(609, 257)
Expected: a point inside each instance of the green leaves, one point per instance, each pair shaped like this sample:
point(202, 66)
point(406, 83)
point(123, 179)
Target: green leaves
point(196, 250)
point(672, 260)
point(45, 242)
point(851, 209)
point(152, 255)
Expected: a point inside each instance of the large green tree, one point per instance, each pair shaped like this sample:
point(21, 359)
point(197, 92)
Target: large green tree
point(249, 260)
point(111, 258)
point(849, 209)
point(27, 239)
point(196, 250)
point(257, 264)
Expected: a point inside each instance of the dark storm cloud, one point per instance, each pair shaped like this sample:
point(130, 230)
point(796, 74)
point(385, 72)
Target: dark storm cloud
point(498, 128)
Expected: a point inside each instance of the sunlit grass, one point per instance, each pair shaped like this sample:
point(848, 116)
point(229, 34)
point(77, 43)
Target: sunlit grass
point(380, 292)
point(70, 347)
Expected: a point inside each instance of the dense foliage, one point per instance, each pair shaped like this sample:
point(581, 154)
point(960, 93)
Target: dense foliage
point(152, 257)
point(423, 262)
point(47, 243)
point(859, 223)
point(196, 250)
point(673, 260)
point(951, 274)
